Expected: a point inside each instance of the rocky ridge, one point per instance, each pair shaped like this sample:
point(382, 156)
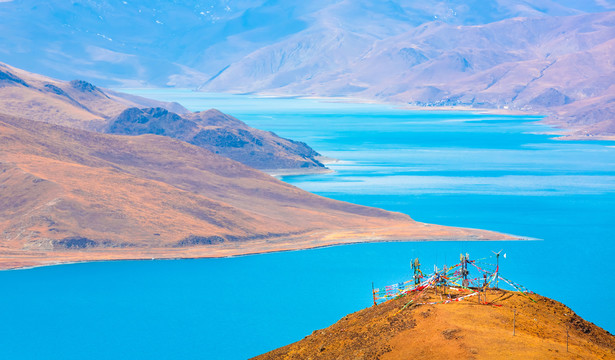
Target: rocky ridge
point(221, 134)
point(82, 105)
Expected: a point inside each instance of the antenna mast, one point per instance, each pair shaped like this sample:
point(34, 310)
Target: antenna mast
point(464, 269)
point(497, 268)
point(416, 267)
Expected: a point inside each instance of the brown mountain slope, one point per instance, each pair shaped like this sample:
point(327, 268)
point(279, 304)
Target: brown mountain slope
point(592, 118)
point(74, 195)
point(539, 64)
point(458, 330)
point(77, 103)
point(81, 105)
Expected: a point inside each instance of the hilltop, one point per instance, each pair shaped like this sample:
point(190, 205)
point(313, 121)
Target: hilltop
point(457, 330)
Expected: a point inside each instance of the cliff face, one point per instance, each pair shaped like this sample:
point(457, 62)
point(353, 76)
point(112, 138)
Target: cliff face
point(221, 134)
point(458, 330)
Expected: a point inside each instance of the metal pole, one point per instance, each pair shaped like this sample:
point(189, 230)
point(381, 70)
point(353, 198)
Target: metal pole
point(373, 294)
point(514, 319)
point(416, 267)
point(497, 271)
point(464, 270)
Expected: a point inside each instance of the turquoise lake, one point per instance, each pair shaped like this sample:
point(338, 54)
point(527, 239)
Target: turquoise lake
point(465, 169)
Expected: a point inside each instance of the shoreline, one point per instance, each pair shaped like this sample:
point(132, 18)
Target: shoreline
point(253, 253)
point(325, 160)
point(559, 131)
point(21, 259)
point(278, 173)
point(396, 104)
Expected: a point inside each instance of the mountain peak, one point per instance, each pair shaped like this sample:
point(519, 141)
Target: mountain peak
point(86, 87)
point(158, 121)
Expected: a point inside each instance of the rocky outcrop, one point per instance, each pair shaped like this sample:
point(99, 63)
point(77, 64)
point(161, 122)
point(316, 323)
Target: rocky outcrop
point(6, 78)
point(221, 134)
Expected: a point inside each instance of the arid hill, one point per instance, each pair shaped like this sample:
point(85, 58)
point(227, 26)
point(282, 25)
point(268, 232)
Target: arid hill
point(76, 104)
point(74, 195)
point(81, 105)
point(457, 330)
point(221, 134)
point(560, 66)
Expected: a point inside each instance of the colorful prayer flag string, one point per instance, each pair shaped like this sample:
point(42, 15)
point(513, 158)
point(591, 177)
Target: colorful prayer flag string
point(455, 278)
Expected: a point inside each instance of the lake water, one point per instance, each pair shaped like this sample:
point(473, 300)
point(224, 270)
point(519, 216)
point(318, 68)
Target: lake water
point(454, 168)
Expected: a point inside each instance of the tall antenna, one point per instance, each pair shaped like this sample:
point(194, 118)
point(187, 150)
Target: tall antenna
point(374, 294)
point(497, 268)
point(464, 269)
point(416, 267)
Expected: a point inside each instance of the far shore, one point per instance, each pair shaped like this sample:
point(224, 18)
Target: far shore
point(23, 259)
point(559, 133)
point(402, 105)
point(289, 172)
point(308, 171)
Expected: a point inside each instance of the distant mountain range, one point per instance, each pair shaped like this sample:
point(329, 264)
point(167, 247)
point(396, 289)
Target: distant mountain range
point(185, 43)
point(550, 57)
point(81, 105)
point(558, 66)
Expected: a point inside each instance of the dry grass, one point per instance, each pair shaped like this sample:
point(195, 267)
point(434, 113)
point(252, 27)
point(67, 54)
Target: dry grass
point(459, 330)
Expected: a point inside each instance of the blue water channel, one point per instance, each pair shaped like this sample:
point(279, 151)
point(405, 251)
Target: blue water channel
point(466, 169)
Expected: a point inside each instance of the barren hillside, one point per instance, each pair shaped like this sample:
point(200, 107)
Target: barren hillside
point(74, 195)
point(457, 330)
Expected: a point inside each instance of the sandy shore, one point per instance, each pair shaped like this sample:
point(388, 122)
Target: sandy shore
point(559, 133)
point(16, 259)
point(398, 104)
point(288, 172)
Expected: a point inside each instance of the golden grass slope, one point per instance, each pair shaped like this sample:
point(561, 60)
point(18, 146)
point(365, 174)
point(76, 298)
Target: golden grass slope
point(74, 195)
point(458, 330)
